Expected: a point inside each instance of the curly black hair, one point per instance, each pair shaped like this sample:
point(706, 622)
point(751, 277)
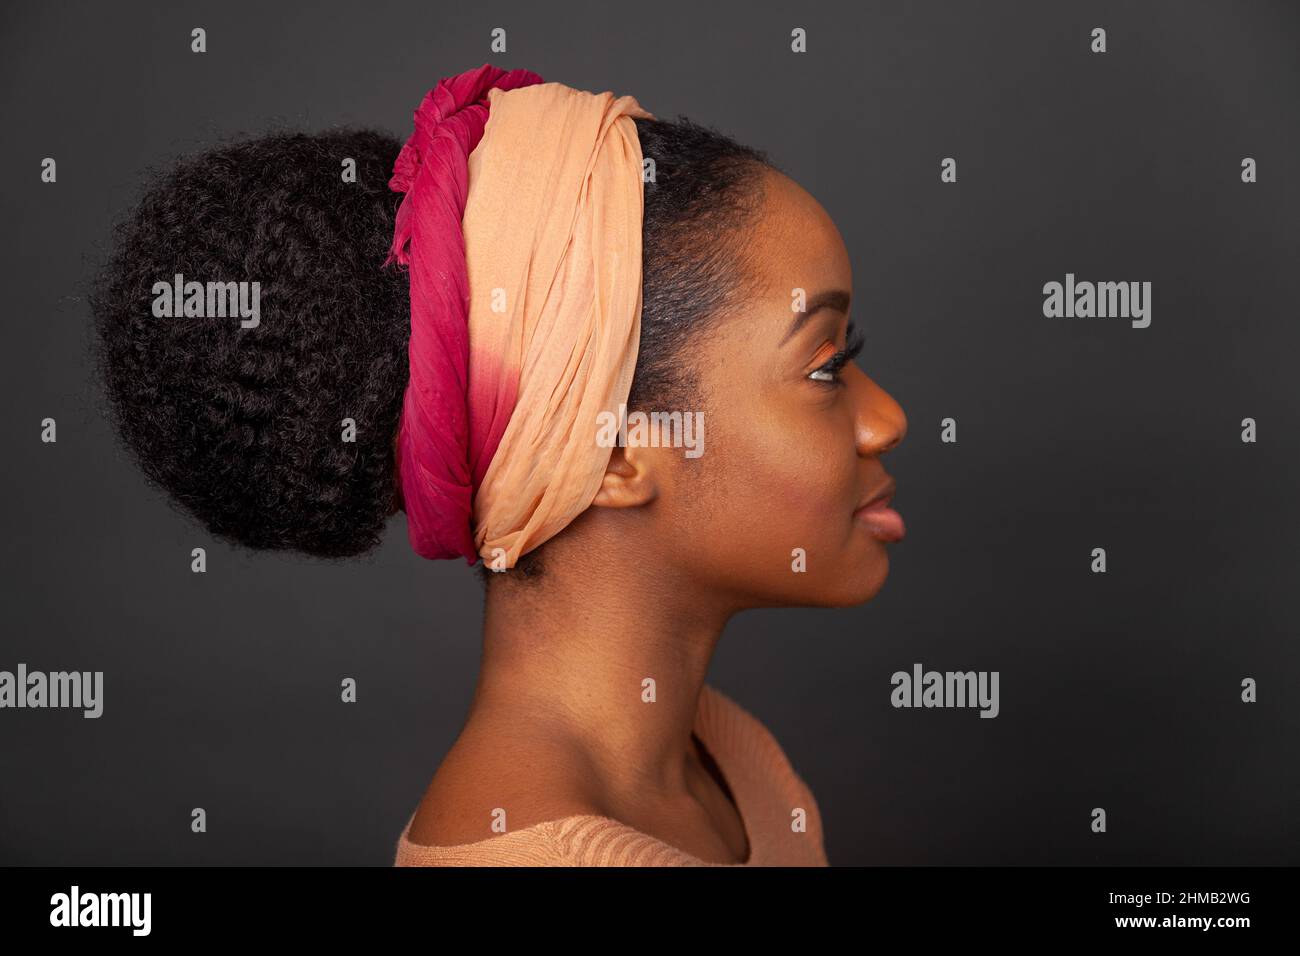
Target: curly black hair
point(244, 428)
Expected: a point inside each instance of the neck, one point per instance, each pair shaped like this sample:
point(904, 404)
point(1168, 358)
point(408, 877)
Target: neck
point(569, 657)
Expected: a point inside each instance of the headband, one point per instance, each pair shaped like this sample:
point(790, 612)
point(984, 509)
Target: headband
point(521, 227)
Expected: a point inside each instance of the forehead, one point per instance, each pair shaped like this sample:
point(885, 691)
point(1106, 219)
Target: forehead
point(795, 243)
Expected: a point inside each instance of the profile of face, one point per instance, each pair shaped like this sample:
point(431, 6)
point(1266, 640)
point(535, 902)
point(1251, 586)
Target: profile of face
point(792, 446)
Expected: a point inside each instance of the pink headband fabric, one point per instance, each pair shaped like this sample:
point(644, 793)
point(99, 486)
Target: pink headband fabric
point(521, 225)
point(438, 436)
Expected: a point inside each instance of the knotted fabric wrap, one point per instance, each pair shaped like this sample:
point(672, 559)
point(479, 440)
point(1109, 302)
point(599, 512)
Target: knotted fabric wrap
point(525, 306)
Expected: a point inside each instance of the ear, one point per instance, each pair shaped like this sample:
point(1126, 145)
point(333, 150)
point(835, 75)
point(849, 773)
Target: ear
point(629, 479)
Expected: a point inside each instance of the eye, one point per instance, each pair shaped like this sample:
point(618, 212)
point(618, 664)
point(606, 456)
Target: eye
point(829, 372)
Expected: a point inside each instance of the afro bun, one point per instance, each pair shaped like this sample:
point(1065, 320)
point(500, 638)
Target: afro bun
point(244, 427)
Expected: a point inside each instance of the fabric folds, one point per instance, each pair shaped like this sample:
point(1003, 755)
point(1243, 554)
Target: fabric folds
point(521, 226)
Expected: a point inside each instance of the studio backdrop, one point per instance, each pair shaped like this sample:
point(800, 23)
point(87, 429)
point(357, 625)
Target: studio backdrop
point(1074, 230)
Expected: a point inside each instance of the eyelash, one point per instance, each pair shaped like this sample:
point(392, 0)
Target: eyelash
point(852, 346)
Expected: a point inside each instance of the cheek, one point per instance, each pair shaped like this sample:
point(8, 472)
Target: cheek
point(797, 479)
point(791, 473)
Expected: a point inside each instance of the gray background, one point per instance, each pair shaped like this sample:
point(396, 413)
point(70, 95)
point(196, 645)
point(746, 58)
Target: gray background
point(1118, 690)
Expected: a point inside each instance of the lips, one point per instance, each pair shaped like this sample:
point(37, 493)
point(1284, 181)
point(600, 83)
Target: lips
point(883, 522)
point(882, 495)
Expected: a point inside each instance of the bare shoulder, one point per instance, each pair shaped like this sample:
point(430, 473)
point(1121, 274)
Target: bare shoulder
point(483, 781)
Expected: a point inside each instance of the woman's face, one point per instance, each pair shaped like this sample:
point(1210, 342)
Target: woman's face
point(768, 512)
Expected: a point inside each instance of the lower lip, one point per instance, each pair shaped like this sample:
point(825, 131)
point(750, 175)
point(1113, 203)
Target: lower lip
point(885, 523)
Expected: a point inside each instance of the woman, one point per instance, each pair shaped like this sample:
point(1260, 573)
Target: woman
point(558, 262)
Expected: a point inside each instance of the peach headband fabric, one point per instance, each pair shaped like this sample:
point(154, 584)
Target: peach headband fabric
point(521, 227)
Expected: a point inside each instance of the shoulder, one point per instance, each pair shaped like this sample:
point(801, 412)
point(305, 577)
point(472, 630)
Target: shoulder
point(577, 841)
point(545, 823)
point(497, 796)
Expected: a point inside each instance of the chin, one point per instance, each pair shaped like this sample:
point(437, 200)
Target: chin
point(859, 588)
point(838, 591)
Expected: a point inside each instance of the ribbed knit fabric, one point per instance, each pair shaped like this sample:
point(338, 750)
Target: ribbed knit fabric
point(765, 786)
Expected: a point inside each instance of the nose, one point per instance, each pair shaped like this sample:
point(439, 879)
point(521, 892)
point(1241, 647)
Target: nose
point(880, 424)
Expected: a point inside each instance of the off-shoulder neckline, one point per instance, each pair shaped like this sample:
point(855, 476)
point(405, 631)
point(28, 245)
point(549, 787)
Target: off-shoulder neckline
point(712, 727)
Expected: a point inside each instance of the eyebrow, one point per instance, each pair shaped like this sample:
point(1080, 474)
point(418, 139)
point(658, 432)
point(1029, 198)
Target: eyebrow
point(836, 299)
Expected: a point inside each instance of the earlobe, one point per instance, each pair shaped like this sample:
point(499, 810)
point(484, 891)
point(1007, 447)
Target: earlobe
point(628, 481)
